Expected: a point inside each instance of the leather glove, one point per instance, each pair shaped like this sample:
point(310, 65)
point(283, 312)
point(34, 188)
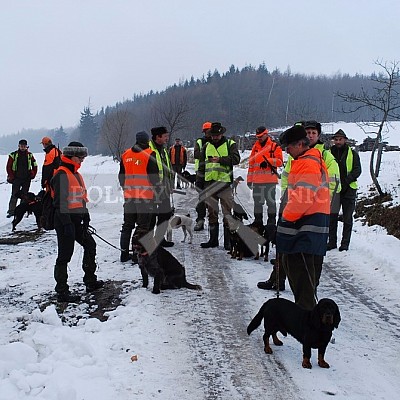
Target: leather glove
point(250, 185)
point(69, 230)
point(264, 165)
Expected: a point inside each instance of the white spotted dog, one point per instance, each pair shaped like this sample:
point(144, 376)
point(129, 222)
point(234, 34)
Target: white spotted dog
point(181, 221)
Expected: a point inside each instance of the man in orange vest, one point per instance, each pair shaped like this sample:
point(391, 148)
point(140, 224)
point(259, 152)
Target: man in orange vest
point(262, 176)
point(303, 227)
point(178, 157)
point(71, 222)
point(51, 161)
point(138, 175)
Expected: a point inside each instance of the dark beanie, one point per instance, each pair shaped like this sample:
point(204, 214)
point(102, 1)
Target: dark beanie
point(293, 134)
point(142, 137)
point(23, 141)
point(158, 131)
point(75, 149)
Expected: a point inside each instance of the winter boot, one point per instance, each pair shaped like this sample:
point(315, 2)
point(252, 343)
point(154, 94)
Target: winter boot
point(124, 243)
point(125, 256)
point(67, 297)
point(61, 277)
point(93, 286)
point(199, 225)
point(227, 238)
point(213, 241)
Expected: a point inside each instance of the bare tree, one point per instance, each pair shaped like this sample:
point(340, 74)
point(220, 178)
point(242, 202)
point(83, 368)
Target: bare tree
point(172, 110)
point(116, 130)
point(384, 102)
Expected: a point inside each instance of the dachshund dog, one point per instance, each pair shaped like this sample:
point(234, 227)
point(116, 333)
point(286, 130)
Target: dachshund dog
point(313, 329)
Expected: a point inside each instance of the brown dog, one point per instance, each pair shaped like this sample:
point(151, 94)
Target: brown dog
point(313, 329)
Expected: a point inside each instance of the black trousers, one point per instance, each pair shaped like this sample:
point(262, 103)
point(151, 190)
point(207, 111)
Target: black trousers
point(138, 214)
point(19, 185)
point(66, 244)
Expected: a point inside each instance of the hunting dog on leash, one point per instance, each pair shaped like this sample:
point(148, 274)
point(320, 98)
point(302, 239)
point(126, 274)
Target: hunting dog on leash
point(313, 329)
point(167, 271)
point(30, 204)
point(181, 221)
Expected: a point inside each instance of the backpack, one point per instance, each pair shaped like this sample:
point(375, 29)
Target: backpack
point(47, 218)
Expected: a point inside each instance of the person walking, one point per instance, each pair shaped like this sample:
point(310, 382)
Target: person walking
point(215, 178)
point(51, 161)
point(21, 169)
point(138, 175)
point(201, 209)
point(71, 222)
point(262, 176)
point(163, 209)
point(350, 170)
point(178, 157)
point(302, 230)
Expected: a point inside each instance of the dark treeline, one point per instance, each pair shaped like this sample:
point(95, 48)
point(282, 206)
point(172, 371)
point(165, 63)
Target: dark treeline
point(240, 99)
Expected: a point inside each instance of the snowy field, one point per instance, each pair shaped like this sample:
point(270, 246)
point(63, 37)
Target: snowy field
point(189, 344)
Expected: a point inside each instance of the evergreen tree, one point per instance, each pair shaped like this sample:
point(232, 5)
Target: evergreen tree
point(60, 138)
point(88, 130)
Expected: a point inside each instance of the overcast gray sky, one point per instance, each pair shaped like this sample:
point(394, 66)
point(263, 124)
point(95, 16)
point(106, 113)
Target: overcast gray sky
point(55, 55)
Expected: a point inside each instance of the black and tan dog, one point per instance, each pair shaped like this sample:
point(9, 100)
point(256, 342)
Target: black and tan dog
point(30, 204)
point(313, 329)
point(167, 271)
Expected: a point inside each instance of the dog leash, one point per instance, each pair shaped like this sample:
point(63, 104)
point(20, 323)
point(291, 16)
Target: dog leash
point(92, 231)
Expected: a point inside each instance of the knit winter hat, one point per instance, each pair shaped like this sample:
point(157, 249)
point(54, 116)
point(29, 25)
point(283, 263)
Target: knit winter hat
point(158, 131)
point(293, 134)
point(23, 141)
point(75, 149)
point(142, 137)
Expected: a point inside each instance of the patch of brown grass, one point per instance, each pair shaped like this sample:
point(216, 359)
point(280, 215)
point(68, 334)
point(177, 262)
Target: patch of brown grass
point(378, 210)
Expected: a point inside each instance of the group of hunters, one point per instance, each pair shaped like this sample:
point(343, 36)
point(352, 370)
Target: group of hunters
point(316, 182)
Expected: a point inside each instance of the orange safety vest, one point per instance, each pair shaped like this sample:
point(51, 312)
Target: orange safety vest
point(51, 155)
point(308, 190)
point(273, 153)
point(77, 193)
point(181, 155)
point(137, 184)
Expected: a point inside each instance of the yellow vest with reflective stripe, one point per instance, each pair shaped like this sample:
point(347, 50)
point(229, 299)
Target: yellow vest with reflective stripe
point(216, 171)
